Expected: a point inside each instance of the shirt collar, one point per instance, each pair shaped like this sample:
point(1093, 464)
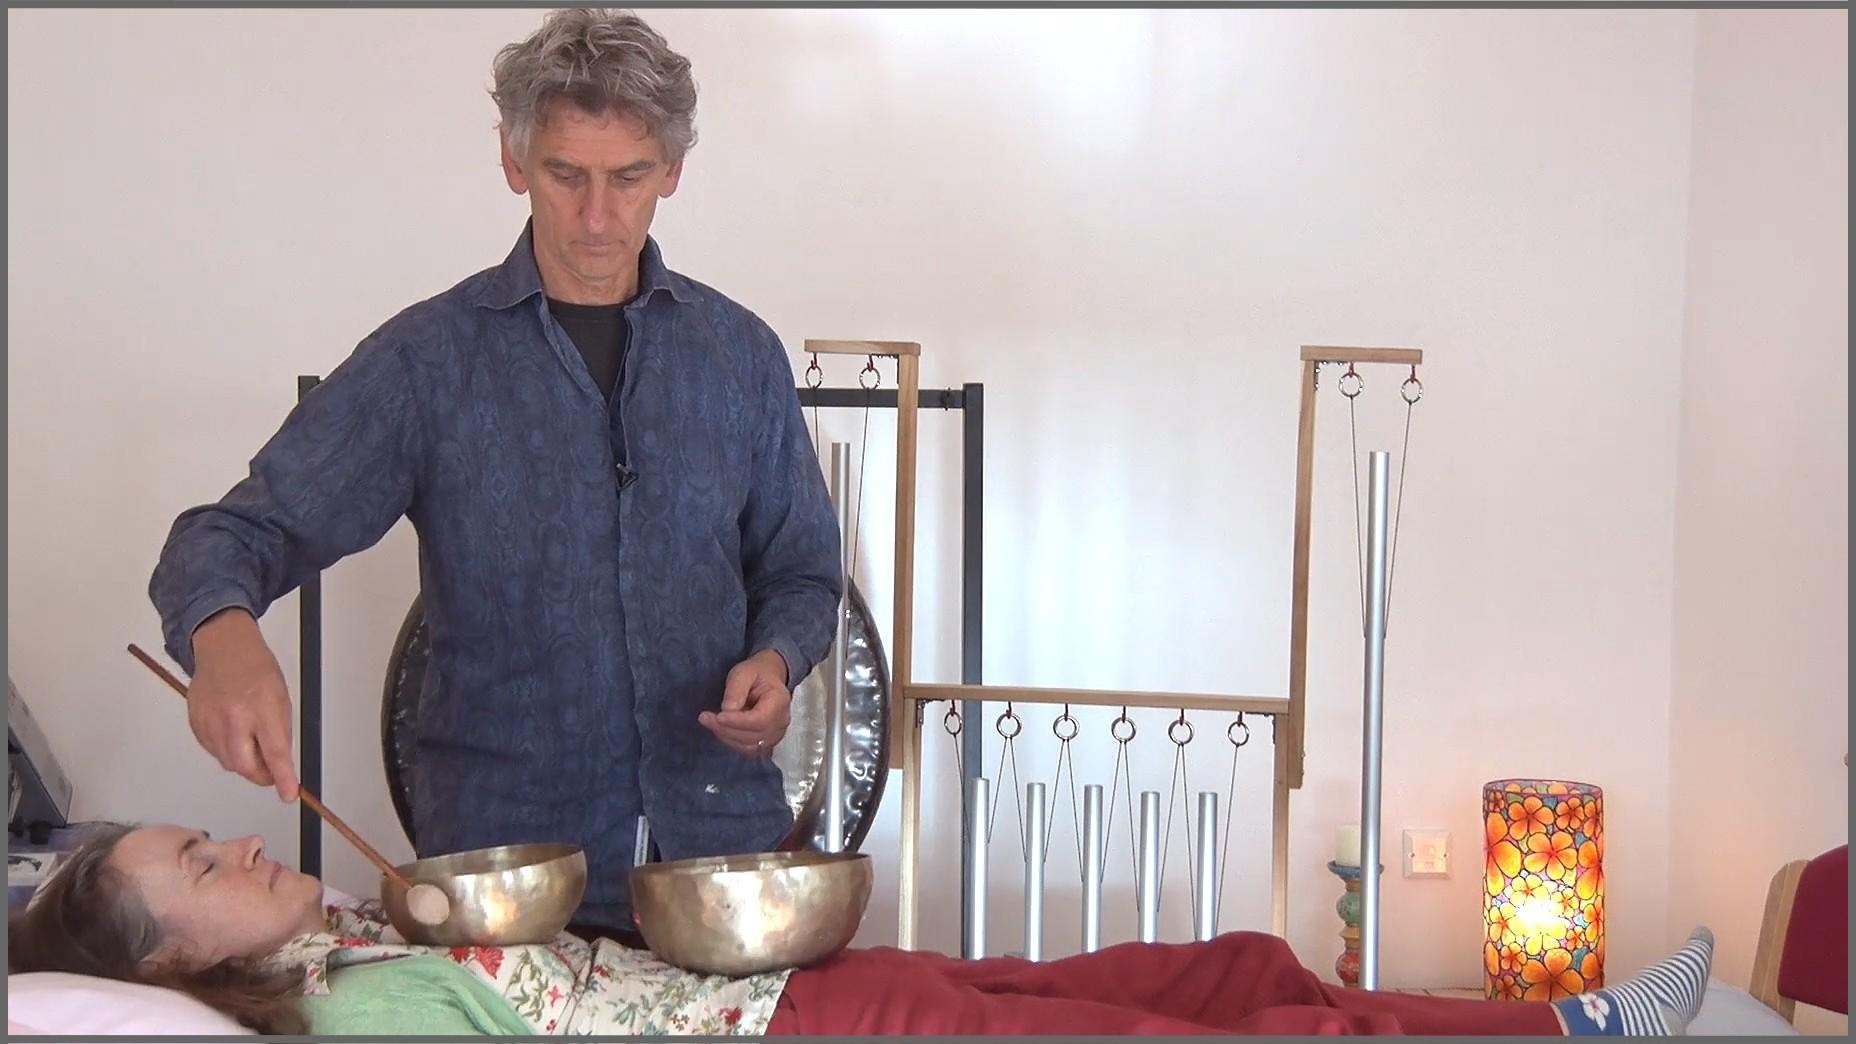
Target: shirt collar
point(518, 278)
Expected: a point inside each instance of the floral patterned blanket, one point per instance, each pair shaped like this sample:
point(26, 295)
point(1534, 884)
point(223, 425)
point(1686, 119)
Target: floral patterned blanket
point(562, 988)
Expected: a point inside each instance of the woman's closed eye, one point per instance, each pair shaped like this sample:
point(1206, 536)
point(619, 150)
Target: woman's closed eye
point(194, 852)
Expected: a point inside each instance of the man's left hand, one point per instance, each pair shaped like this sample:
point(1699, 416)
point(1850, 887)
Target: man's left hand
point(756, 705)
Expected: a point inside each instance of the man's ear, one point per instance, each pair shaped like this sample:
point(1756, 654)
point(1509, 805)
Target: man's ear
point(512, 169)
point(669, 187)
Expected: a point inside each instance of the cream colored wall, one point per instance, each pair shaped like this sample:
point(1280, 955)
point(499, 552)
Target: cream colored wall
point(1760, 707)
point(1123, 223)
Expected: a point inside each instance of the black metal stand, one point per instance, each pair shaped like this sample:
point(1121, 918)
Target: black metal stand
point(309, 701)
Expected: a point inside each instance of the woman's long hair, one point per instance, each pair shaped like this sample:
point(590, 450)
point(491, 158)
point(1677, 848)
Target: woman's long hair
point(89, 920)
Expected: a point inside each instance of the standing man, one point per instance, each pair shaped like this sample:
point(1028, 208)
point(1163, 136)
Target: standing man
point(626, 549)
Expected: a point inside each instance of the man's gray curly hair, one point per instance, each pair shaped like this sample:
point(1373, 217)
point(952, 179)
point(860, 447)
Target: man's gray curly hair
point(601, 60)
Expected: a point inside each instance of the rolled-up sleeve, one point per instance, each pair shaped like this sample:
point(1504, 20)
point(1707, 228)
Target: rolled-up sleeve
point(332, 480)
point(789, 534)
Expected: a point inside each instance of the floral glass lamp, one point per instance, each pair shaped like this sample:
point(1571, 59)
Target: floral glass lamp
point(1544, 896)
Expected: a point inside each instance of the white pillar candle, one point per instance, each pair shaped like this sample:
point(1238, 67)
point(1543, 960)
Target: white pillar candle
point(1347, 845)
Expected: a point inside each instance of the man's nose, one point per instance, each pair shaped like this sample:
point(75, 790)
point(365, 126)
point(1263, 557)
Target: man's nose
point(596, 215)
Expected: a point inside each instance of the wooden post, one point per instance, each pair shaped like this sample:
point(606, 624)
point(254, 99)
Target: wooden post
point(902, 662)
point(1289, 768)
point(905, 734)
point(1780, 896)
point(906, 715)
point(928, 692)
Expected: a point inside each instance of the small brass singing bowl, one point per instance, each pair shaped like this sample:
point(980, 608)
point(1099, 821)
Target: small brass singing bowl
point(747, 914)
point(512, 895)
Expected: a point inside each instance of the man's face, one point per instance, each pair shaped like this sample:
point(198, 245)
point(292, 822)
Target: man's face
point(593, 184)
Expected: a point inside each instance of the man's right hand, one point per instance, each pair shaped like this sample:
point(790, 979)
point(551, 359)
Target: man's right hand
point(238, 704)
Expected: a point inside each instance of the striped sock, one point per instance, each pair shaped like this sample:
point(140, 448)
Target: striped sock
point(1657, 1002)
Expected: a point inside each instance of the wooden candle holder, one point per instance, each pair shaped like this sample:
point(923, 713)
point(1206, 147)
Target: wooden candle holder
point(1347, 965)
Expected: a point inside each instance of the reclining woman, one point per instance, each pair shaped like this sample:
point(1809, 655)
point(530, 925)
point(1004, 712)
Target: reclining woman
point(168, 906)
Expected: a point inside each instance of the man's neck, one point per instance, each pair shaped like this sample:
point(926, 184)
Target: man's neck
point(563, 286)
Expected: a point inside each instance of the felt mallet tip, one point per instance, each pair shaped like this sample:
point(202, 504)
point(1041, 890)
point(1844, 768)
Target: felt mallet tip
point(427, 904)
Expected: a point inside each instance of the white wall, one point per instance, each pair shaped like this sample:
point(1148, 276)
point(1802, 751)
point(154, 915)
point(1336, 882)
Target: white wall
point(1760, 718)
point(1124, 223)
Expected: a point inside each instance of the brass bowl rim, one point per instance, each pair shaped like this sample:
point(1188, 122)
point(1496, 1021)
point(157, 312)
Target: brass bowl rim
point(559, 865)
point(832, 877)
point(752, 863)
point(527, 856)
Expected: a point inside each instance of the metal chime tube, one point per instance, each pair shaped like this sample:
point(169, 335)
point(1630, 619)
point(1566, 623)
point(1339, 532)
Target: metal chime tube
point(1147, 888)
point(1375, 714)
point(641, 844)
point(840, 655)
point(1092, 868)
point(979, 794)
point(1034, 871)
point(1205, 871)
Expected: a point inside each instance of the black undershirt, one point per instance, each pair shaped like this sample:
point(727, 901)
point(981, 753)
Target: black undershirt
point(599, 332)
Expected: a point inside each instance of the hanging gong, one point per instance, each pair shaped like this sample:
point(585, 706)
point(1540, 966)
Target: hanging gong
point(800, 755)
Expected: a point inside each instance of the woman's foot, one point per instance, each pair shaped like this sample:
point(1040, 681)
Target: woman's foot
point(1659, 1001)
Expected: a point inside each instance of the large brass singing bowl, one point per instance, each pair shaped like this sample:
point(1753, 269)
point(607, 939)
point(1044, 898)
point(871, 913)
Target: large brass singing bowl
point(747, 914)
point(507, 896)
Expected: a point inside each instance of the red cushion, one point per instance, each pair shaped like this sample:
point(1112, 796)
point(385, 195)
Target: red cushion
point(1815, 967)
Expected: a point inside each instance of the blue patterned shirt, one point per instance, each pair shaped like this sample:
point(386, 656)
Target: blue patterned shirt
point(587, 584)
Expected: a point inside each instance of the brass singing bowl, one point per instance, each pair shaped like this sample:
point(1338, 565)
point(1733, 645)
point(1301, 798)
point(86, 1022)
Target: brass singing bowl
point(507, 896)
point(747, 914)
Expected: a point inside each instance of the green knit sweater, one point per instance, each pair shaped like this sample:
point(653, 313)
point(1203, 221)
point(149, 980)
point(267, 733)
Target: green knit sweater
point(422, 996)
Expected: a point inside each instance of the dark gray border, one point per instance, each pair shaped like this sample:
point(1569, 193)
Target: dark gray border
point(1362, 5)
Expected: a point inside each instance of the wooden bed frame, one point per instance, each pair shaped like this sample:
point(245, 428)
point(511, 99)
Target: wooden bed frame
point(1803, 950)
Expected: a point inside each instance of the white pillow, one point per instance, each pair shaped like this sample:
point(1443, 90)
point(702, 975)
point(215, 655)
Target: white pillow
point(58, 1003)
point(84, 1006)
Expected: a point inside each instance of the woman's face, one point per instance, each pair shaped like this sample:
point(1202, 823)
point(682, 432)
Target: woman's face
point(217, 899)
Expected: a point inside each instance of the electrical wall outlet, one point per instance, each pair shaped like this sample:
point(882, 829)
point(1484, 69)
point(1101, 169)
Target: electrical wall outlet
point(1427, 853)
